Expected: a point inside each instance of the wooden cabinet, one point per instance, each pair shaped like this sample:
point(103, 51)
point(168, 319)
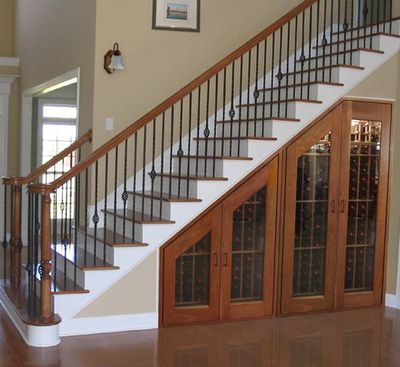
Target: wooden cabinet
point(223, 266)
point(335, 211)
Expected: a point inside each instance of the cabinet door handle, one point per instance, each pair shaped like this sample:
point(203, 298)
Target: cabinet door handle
point(225, 259)
point(332, 206)
point(342, 206)
point(215, 259)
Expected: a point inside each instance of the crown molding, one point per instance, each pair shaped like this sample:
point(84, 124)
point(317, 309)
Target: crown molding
point(9, 61)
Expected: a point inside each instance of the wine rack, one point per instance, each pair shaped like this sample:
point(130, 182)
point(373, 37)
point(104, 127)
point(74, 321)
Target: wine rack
point(362, 210)
point(192, 274)
point(312, 190)
point(248, 240)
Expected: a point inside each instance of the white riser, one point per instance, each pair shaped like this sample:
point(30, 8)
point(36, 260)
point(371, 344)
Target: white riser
point(204, 166)
point(70, 269)
point(221, 144)
point(174, 183)
point(145, 202)
point(128, 227)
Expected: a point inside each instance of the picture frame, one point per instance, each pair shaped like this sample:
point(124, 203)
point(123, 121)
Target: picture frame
point(176, 15)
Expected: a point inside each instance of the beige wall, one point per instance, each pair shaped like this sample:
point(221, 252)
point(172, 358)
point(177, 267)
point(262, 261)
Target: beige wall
point(385, 83)
point(55, 37)
point(6, 28)
point(134, 293)
point(158, 63)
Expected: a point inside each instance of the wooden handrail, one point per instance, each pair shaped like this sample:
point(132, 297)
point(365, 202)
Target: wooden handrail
point(133, 128)
point(17, 181)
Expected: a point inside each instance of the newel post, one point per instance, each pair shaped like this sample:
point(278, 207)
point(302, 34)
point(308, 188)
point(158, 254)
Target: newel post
point(45, 266)
point(16, 243)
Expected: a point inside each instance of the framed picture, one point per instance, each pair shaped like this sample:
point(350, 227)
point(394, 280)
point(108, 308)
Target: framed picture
point(176, 15)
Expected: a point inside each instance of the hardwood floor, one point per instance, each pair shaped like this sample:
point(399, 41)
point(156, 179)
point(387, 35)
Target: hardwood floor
point(368, 338)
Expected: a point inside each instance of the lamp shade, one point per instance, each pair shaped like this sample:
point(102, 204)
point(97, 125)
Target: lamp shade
point(116, 62)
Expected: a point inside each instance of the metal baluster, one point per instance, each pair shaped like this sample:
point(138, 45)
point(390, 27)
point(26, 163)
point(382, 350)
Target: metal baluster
point(309, 51)
point(5, 244)
point(189, 143)
point(198, 129)
point(223, 112)
point(115, 193)
point(36, 252)
point(345, 28)
point(153, 172)
point(302, 56)
point(264, 85)
point(390, 15)
point(162, 164)
point(86, 215)
point(324, 43)
point(358, 24)
point(232, 110)
point(378, 17)
point(248, 93)
point(96, 217)
point(105, 206)
point(125, 193)
point(296, 28)
point(144, 169)
point(180, 149)
point(338, 30)
point(171, 150)
point(351, 31)
point(279, 76)
point(215, 124)
point(272, 75)
point(240, 103)
point(206, 131)
point(134, 182)
point(55, 234)
point(256, 92)
point(371, 18)
point(287, 67)
point(365, 14)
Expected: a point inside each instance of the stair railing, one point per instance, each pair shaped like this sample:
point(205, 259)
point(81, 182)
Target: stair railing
point(14, 198)
point(126, 183)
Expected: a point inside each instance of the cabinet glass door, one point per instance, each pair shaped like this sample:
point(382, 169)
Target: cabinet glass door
point(309, 244)
point(248, 247)
point(191, 273)
point(363, 204)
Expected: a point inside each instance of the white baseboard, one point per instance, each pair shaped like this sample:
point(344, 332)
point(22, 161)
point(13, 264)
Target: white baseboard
point(109, 324)
point(391, 300)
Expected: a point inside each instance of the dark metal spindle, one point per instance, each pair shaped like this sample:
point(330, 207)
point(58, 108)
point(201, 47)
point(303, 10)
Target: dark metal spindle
point(223, 111)
point(310, 51)
point(240, 103)
point(215, 123)
point(116, 192)
point(125, 193)
point(296, 28)
point(153, 171)
point(198, 128)
point(206, 131)
point(302, 56)
point(144, 169)
point(105, 208)
point(287, 67)
point(180, 149)
point(135, 156)
point(232, 110)
point(162, 164)
point(331, 42)
point(171, 153)
point(96, 217)
point(256, 92)
point(279, 75)
point(272, 75)
point(189, 143)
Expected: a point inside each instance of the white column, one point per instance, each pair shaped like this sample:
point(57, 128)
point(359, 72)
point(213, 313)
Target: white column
point(5, 89)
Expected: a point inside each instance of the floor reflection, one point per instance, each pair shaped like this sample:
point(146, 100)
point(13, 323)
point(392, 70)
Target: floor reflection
point(368, 338)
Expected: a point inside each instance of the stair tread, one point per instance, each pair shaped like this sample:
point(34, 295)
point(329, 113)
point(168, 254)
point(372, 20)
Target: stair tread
point(217, 157)
point(306, 70)
point(84, 260)
point(358, 38)
point(138, 217)
point(118, 241)
point(343, 52)
point(240, 138)
point(164, 196)
point(69, 287)
point(367, 27)
point(259, 119)
point(282, 101)
point(302, 85)
point(192, 177)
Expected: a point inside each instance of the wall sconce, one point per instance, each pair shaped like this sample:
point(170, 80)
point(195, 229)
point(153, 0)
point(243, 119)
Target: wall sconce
point(113, 60)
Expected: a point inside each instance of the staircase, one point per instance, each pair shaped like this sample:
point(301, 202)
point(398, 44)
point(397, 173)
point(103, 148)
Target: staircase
point(88, 228)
